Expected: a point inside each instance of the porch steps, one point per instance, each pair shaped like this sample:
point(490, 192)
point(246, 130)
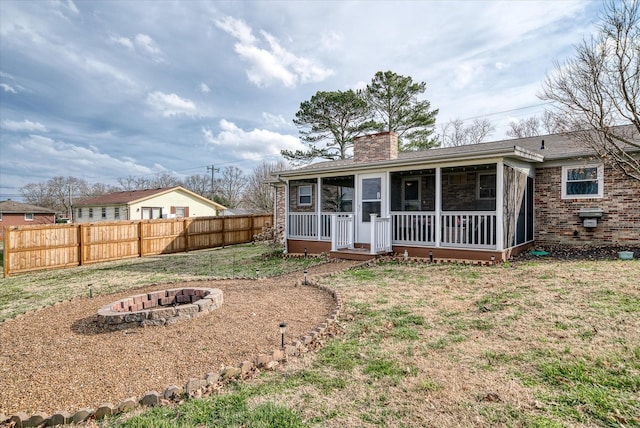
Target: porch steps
point(358, 254)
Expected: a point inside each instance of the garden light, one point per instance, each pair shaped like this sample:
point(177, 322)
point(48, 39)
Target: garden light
point(283, 329)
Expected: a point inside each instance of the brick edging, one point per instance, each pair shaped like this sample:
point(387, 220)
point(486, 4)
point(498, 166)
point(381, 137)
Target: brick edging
point(194, 387)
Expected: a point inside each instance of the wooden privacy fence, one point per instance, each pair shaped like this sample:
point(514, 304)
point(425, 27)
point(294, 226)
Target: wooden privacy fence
point(29, 248)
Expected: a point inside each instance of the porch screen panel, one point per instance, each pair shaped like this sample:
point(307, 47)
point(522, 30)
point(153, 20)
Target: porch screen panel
point(371, 194)
point(514, 223)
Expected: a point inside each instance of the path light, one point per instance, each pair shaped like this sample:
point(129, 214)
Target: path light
point(257, 273)
point(406, 255)
point(305, 253)
point(90, 291)
point(431, 256)
point(493, 259)
point(305, 277)
point(283, 329)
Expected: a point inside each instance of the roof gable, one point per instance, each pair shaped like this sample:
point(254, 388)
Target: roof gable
point(134, 196)
point(14, 207)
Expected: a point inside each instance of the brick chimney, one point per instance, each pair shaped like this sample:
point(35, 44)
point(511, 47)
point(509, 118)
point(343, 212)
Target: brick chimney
point(375, 147)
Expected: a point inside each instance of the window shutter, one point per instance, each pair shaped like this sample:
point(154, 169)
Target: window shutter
point(186, 211)
point(172, 210)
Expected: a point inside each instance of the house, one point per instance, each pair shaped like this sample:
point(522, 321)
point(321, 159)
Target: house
point(479, 202)
point(171, 202)
point(14, 213)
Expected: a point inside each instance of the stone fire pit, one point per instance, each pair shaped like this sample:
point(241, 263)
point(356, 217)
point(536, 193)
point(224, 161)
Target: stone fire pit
point(157, 308)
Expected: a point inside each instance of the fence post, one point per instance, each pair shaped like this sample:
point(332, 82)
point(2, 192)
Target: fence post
point(7, 245)
point(186, 234)
point(140, 240)
point(81, 244)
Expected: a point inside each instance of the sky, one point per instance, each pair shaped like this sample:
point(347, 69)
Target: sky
point(103, 90)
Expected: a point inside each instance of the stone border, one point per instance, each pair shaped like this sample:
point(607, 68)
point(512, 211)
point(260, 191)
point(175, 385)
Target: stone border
point(195, 387)
point(164, 307)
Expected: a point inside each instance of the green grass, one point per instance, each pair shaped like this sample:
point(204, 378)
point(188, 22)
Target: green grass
point(26, 292)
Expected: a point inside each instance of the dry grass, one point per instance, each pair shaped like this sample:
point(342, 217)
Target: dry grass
point(453, 345)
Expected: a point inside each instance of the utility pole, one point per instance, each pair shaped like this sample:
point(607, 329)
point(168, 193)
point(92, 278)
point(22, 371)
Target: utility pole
point(213, 171)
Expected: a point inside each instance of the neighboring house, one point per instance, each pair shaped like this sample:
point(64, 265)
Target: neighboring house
point(18, 214)
point(469, 202)
point(172, 202)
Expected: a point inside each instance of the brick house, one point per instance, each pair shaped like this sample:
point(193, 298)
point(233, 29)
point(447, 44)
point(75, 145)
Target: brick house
point(482, 201)
point(170, 202)
point(14, 213)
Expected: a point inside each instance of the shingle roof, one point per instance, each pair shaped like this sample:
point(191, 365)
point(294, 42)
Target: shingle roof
point(14, 207)
point(123, 197)
point(556, 146)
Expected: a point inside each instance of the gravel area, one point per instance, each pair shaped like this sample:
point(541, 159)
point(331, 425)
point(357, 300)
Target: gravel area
point(57, 359)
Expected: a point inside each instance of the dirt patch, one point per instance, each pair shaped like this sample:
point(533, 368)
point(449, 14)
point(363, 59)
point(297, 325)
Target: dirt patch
point(58, 359)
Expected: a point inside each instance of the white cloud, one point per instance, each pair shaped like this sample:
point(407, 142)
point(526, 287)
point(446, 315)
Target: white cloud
point(25, 125)
point(275, 64)
point(72, 7)
point(502, 66)
point(122, 41)
point(8, 88)
point(250, 145)
point(466, 73)
point(171, 104)
point(204, 88)
point(276, 121)
point(147, 46)
point(330, 41)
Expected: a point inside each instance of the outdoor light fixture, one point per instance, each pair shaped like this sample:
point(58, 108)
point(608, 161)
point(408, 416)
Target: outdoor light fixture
point(283, 329)
point(305, 277)
point(431, 256)
point(305, 253)
point(406, 255)
point(257, 273)
point(90, 291)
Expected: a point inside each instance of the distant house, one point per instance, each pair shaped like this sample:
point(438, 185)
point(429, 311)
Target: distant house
point(14, 213)
point(469, 202)
point(171, 202)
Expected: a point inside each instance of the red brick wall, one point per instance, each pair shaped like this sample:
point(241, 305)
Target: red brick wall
point(375, 147)
point(280, 215)
point(557, 220)
point(10, 219)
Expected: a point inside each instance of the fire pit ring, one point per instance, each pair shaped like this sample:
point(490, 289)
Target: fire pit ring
point(157, 308)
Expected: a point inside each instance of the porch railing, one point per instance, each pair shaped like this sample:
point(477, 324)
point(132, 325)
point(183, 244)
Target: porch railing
point(413, 227)
point(341, 231)
point(302, 225)
point(473, 229)
point(380, 234)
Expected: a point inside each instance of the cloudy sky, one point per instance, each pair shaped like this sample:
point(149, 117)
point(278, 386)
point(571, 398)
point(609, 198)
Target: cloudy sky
point(102, 90)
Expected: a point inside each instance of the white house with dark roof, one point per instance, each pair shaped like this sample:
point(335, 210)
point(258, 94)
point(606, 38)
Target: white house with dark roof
point(481, 201)
point(171, 202)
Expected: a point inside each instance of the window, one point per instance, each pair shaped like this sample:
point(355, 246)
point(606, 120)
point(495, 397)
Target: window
point(486, 186)
point(116, 213)
point(180, 212)
point(28, 216)
point(90, 212)
point(0, 216)
point(582, 181)
point(151, 213)
point(304, 196)
point(104, 213)
point(79, 212)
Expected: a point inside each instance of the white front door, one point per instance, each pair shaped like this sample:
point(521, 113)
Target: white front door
point(371, 200)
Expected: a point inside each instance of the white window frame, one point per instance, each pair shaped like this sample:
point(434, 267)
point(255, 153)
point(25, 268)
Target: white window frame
point(90, 212)
point(600, 180)
point(28, 216)
point(103, 213)
point(495, 189)
point(180, 212)
point(79, 212)
point(116, 213)
point(310, 195)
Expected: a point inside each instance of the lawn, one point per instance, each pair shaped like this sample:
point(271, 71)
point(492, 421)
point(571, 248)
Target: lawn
point(535, 344)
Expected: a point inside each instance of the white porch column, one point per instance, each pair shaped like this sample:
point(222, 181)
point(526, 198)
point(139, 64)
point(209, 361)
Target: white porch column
point(372, 246)
point(318, 209)
point(438, 216)
point(500, 206)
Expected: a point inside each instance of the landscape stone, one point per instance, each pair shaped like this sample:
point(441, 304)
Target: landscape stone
point(172, 392)
point(37, 419)
point(230, 373)
point(263, 359)
point(128, 404)
point(246, 367)
point(59, 418)
point(151, 398)
point(18, 419)
point(106, 409)
point(212, 378)
point(194, 384)
point(81, 415)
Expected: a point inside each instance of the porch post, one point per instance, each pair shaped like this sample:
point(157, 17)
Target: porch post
point(372, 246)
point(500, 206)
point(318, 209)
point(438, 216)
point(334, 231)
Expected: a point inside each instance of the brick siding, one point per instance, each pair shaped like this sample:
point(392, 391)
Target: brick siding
point(375, 147)
point(557, 220)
